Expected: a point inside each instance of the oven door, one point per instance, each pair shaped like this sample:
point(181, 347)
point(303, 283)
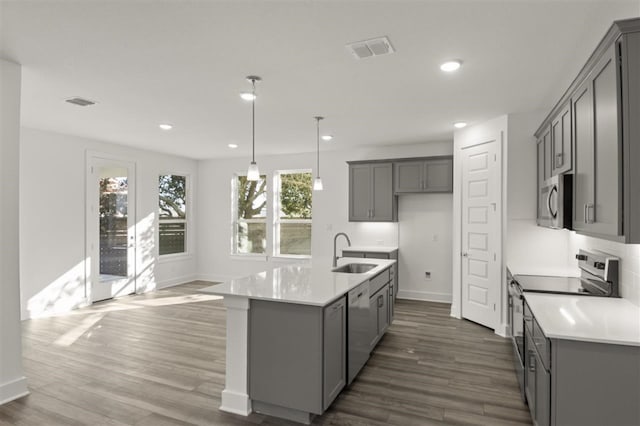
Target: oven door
point(516, 324)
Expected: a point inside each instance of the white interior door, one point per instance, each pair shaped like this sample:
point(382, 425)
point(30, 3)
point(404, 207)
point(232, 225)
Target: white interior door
point(481, 207)
point(111, 232)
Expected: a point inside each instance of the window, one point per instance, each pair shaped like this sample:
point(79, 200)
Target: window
point(172, 200)
point(249, 206)
point(292, 213)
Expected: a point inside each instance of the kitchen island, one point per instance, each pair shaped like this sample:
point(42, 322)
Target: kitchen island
point(287, 335)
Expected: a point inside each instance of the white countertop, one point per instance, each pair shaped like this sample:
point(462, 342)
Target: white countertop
point(372, 249)
point(591, 319)
point(303, 284)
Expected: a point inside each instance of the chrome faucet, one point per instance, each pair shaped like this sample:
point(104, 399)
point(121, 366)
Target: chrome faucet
point(335, 240)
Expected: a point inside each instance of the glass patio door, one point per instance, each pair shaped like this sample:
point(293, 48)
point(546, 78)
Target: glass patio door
point(111, 233)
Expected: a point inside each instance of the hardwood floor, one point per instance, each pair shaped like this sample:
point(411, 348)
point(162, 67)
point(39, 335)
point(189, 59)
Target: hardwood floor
point(159, 359)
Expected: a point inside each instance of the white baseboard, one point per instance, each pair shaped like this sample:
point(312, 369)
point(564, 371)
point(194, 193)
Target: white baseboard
point(426, 296)
point(501, 330)
point(176, 281)
point(215, 277)
point(13, 390)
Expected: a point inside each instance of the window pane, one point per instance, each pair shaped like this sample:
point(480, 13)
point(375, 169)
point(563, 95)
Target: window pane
point(252, 238)
point(295, 195)
point(172, 203)
point(172, 237)
point(173, 195)
point(252, 198)
point(295, 238)
point(113, 226)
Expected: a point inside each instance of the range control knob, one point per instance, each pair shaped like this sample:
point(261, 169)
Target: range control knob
point(598, 265)
point(581, 256)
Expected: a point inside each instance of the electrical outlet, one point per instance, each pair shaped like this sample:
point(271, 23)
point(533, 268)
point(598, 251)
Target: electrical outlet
point(427, 275)
point(436, 237)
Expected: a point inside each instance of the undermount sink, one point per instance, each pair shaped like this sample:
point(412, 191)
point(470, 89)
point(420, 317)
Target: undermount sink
point(354, 268)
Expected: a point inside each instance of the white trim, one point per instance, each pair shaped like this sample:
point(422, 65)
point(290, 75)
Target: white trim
point(14, 389)
point(174, 257)
point(502, 330)
point(292, 259)
point(427, 296)
point(175, 281)
point(235, 396)
point(250, 257)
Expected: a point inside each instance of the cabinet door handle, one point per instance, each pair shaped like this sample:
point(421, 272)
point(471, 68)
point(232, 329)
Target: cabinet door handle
point(380, 301)
point(532, 361)
point(589, 208)
point(585, 214)
point(559, 160)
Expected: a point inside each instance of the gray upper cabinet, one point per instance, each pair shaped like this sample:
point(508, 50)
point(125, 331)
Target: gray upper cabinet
point(597, 199)
point(561, 153)
point(598, 114)
point(544, 172)
point(371, 197)
point(433, 174)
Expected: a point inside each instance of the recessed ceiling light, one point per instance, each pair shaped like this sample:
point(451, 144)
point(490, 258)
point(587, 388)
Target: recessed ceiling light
point(327, 137)
point(451, 66)
point(459, 124)
point(232, 145)
point(166, 126)
point(247, 96)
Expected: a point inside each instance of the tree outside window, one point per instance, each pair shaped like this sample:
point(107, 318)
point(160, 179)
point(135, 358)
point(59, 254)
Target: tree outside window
point(172, 199)
point(293, 202)
point(250, 215)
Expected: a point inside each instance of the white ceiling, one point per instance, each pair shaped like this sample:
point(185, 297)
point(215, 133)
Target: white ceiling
point(185, 62)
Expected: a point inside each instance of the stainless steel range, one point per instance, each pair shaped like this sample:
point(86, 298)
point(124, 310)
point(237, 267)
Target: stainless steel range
point(598, 277)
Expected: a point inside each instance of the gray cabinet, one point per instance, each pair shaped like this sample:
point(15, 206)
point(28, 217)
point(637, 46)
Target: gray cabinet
point(561, 152)
point(335, 349)
point(297, 361)
point(597, 207)
point(432, 174)
point(602, 106)
point(544, 173)
point(378, 315)
point(570, 382)
point(393, 280)
point(371, 197)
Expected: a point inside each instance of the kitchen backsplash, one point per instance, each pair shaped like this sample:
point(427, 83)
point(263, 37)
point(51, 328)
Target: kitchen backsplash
point(629, 255)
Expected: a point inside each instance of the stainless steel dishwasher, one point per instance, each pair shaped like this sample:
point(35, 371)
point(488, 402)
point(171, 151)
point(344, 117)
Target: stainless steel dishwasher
point(358, 329)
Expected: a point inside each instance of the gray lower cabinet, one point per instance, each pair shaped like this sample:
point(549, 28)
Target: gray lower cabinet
point(393, 285)
point(297, 357)
point(378, 315)
point(431, 174)
point(570, 382)
point(371, 197)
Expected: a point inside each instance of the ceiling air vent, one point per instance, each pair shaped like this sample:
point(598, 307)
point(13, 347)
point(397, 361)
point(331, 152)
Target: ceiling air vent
point(80, 101)
point(367, 48)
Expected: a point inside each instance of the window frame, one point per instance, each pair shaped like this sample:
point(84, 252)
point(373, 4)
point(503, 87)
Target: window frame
point(235, 220)
point(277, 221)
point(187, 220)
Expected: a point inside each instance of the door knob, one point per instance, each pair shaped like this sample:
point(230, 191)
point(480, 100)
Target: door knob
point(465, 255)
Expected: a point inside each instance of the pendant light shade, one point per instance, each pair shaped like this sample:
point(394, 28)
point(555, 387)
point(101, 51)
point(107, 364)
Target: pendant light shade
point(317, 184)
point(253, 173)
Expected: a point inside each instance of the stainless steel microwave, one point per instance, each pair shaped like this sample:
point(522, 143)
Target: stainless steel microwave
point(555, 202)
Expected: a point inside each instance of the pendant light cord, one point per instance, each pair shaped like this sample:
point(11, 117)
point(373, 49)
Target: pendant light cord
point(318, 146)
point(253, 122)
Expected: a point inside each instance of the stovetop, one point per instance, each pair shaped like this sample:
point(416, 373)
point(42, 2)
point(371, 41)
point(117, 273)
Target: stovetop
point(547, 284)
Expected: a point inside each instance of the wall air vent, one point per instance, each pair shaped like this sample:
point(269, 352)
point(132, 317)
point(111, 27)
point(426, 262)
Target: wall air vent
point(80, 101)
point(367, 48)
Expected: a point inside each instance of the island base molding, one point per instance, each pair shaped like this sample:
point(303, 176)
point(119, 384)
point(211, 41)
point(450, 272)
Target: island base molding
point(283, 412)
point(235, 403)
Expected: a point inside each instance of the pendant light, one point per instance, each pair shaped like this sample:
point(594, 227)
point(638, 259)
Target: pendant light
point(317, 184)
point(253, 174)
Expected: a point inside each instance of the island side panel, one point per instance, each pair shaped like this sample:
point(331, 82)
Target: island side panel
point(285, 359)
point(235, 396)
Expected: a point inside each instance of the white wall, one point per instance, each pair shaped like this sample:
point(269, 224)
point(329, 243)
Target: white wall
point(330, 211)
point(52, 227)
point(13, 384)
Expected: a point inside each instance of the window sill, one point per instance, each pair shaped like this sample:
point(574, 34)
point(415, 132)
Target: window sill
point(174, 257)
point(292, 258)
point(250, 257)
